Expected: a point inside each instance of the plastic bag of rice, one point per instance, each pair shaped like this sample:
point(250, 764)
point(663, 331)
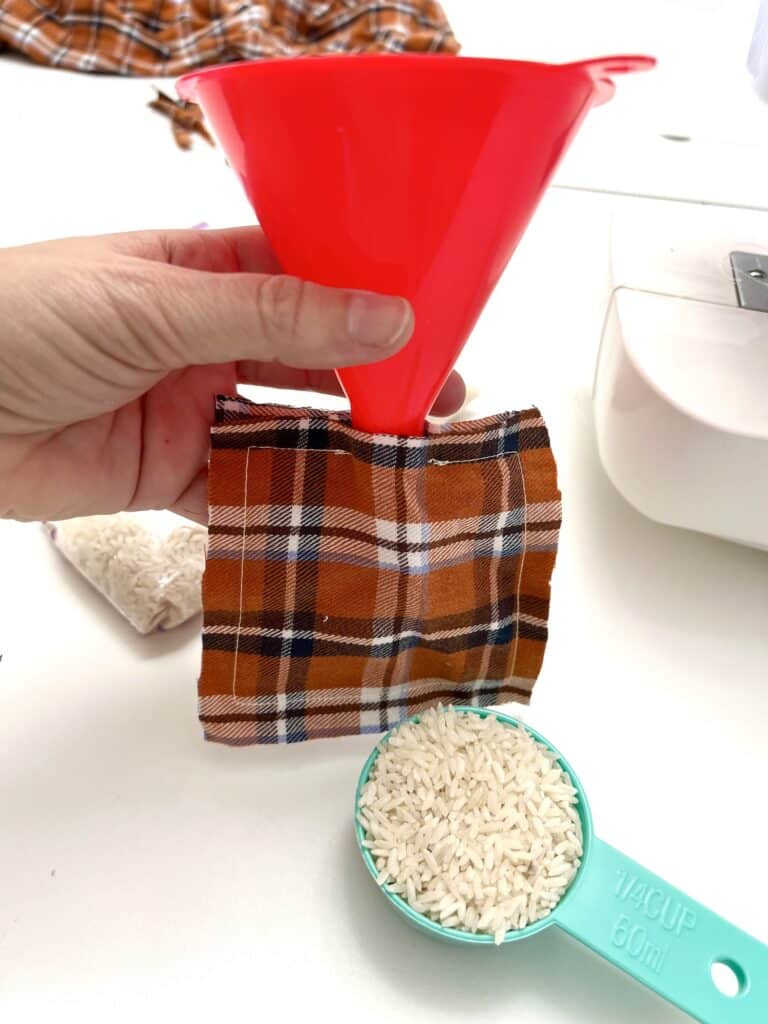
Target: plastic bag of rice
point(472, 821)
point(149, 565)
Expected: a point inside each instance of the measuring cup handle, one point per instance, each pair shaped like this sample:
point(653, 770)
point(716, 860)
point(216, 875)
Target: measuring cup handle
point(664, 939)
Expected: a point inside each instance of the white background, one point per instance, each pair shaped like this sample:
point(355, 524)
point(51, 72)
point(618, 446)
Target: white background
point(147, 875)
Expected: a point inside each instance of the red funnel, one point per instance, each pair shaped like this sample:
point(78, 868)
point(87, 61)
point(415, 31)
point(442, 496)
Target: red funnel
point(408, 174)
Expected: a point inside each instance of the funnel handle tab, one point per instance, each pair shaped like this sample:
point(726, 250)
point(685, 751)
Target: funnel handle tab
point(665, 940)
point(601, 70)
point(603, 67)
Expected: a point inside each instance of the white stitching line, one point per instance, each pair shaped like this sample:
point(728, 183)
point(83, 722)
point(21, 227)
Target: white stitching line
point(506, 501)
point(242, 574)
point(522, 563)
point(524, 548)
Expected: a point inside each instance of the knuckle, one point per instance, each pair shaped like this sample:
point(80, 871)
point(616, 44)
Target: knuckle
point(281, 303)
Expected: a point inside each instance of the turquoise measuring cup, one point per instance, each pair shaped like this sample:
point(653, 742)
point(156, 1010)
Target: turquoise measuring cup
point(632, 918)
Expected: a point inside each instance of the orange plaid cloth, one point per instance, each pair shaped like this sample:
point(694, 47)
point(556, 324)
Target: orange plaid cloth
point(354, 579)
point(169, 37)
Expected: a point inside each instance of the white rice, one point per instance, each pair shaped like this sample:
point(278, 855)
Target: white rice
point(149, 565)
point(472, 822)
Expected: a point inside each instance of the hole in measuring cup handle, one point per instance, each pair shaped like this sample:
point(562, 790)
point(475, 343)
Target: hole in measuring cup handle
point(728, 977)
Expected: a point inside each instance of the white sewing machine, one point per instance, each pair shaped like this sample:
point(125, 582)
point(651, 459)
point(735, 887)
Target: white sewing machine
point(681, 388)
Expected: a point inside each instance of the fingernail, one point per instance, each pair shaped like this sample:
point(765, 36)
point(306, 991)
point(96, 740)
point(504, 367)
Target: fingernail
point(378, 321)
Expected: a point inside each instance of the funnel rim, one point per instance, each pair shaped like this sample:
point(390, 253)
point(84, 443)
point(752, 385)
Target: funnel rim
point(186, 84)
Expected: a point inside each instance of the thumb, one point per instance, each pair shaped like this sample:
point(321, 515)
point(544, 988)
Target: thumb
point(222, 317)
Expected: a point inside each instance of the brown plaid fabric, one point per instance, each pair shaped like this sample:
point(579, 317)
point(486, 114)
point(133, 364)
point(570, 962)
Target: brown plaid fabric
point(169, 37)
point(354, 579)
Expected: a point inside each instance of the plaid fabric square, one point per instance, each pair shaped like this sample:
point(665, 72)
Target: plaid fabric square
point(169, 37)
point(355, 579)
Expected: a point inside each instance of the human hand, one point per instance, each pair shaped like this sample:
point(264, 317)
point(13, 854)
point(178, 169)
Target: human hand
point(112, 350)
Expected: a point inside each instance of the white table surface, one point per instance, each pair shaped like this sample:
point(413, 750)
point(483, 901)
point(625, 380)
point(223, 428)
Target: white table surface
point(147, 875)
